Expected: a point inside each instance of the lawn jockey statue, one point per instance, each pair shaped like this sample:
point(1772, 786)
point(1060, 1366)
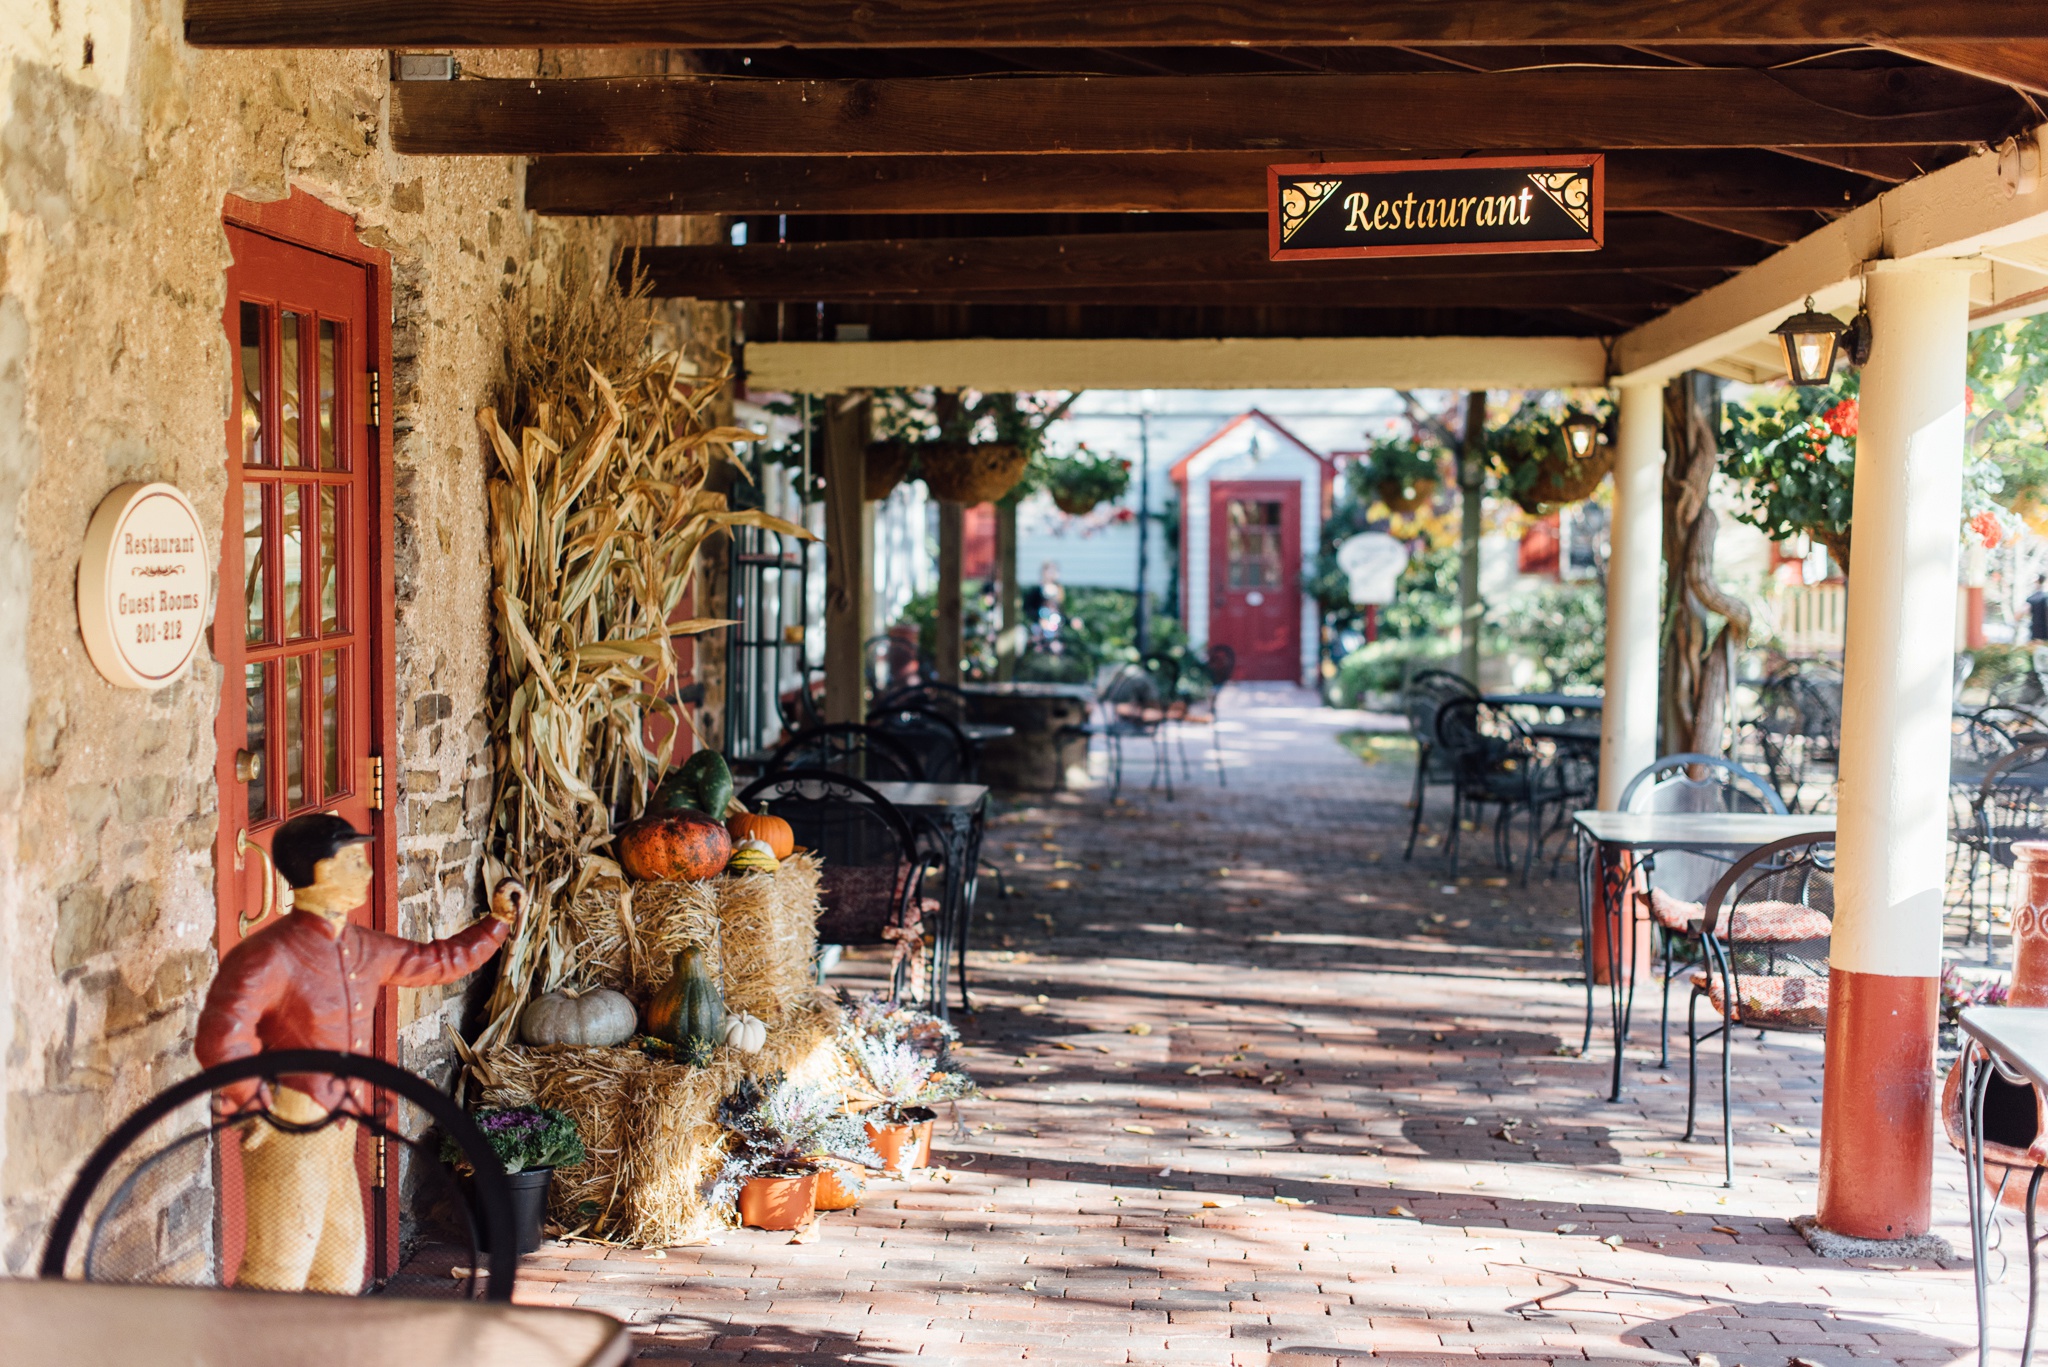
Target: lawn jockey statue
point(311, 980)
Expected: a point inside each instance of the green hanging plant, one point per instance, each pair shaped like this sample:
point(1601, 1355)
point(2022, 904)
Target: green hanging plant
point(1084, 481)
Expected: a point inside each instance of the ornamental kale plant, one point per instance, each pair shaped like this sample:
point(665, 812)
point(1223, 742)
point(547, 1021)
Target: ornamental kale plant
point(897, 1077)
point(877, 1016)
point(525, 1137)
point(780, 1128)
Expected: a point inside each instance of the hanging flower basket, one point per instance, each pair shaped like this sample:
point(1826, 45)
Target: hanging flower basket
point(971, 472)
point(1561, 479)
point(1082, 482)
point(887, 463)
point(1405, 497)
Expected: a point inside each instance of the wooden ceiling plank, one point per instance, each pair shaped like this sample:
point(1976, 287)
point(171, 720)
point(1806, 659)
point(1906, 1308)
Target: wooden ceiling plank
point(1509, 292)
point(1187, 261)
point(1188, 182)
point(2021, 62)
point(1598, 109)
point(983, 23)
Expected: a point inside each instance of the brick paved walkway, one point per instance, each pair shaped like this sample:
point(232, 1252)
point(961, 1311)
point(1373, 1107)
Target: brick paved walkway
point(1260, 1093)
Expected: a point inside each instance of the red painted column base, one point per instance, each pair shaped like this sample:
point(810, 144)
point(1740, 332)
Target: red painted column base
point(1877, 1106)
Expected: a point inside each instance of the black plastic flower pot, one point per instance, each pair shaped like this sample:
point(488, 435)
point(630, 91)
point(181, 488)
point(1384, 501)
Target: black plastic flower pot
point(529, 1204)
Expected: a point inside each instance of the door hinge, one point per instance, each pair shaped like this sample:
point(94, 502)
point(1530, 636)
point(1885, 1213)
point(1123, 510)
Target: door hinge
point(374, 782)
point(376, 398)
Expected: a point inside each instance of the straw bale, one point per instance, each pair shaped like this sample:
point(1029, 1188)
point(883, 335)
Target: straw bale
point(648, 1123)
point(759, 931)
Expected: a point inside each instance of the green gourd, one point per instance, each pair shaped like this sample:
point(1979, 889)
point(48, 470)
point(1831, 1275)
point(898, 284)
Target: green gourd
point(687, 1010)
point(702, 783)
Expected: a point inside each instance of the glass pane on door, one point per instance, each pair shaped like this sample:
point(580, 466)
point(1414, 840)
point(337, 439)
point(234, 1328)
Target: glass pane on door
point(289, 379)
point(1253, 545)
point(254, 318)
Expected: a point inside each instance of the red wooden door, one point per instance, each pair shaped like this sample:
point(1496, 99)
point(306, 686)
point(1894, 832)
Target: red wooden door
point(302, 630)
point(1255, 575)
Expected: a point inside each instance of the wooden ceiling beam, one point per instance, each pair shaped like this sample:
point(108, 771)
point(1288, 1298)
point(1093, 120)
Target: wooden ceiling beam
point(1590, 108)
point(1614, 290)
point(1189, 262)
point(982, 23)
point(2021, 62)
point(1079, 183)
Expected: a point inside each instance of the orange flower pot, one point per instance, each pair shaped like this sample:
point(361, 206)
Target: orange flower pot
point(838, 1189)
point(778, 1202)
point(903, 1147)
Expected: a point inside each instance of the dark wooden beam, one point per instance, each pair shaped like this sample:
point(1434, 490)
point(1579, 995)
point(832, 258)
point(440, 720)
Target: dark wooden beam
point(985, 23)
point(939, 322)
point(1082, 183)
point(1779, 227)
point(1190, 262)
point(1616, 289)
point(1570, 108)
point(2021, 62)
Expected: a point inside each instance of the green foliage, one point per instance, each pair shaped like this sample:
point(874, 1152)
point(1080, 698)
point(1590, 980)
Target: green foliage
point(779, 1128)
point(524, 1137)
point(1402, 462)
point(1418, 630)
point(1086, 479)
point(917, 415)
point(1562, 628)
point(1386, 665)
point(1794, 452)
point(2009, 424)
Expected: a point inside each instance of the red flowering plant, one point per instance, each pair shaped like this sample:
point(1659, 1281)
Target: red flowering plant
point(1793, 455)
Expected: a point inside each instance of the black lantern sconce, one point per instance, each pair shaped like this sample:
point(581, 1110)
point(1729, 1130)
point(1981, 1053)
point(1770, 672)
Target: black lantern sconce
point(1581, 433)
point(1810, 339)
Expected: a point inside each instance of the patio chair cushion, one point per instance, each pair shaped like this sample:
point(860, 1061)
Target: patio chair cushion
point(1778, 923)
point(1788, 1003)
point(1675, 914)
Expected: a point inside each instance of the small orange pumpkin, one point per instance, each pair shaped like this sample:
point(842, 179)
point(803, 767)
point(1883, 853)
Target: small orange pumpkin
point(772, 830)
point(673, 847)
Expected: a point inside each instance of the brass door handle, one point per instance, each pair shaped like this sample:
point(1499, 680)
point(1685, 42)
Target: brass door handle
point(248, 765)
point(243, 844)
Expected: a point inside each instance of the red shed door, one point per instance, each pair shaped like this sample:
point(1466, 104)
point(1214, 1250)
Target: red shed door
point(1255, 575)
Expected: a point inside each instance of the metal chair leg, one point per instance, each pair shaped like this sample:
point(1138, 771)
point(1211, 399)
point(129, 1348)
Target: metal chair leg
point(1692, 1063)
point(1664, 1025)
point(1727, 1100)
point(1421, 792)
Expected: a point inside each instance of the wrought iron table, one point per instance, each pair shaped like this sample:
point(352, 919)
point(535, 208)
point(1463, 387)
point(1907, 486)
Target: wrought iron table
point(1617, 848)
point(67, 1321)
point(951, 817)
point(2009, 1042)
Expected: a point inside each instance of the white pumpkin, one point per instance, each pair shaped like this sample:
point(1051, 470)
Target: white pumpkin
point(746, 1033)
point(599, 1017)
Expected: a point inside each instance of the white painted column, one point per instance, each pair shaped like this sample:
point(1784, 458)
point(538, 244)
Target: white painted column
point(1628, 722)
point(1877, 1110)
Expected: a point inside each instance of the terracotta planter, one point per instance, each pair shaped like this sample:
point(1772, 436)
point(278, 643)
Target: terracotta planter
point(1561, 480)
point(778, 1202)
point(904, 1147)
point(838, 1189)
point(887, 462)
point(2013, 1115)
point(971, 472)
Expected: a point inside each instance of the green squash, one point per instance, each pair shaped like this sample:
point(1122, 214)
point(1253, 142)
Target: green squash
point(687, 1011)
point(702, 783)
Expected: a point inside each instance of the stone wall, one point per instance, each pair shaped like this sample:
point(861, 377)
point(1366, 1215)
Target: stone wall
point(117, 145)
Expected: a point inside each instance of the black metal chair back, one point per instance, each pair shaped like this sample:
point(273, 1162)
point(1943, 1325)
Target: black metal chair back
point(154, 1198)
point(851, 749)
point(949, 701)
point(1798, 727)
point(800, 707)
point(942, 750)
point(871, 884)
point(2012, 801)
point(1691, 782)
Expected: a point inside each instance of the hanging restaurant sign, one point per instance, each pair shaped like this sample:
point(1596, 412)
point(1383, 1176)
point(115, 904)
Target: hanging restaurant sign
point(142, 585)
point(1468, 206)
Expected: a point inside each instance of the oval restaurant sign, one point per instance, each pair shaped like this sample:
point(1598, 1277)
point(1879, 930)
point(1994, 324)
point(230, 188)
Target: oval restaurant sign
point(142, 585)
point(1436, 208)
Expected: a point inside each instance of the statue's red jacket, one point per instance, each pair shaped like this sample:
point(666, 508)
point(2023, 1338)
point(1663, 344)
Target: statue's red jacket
point(300, 984)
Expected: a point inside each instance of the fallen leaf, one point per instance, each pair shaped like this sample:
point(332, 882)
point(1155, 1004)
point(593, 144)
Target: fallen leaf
point(808, 1234)
point(1780, 1129)
point(1706, 1360)
point(1801, 1362)
point(1219, 1202)
point(1029, 1286)
point(1726, 1229)
point(1291, 1201)
point(1062, 1044)
point(1404, 1213)
point(1565, 1229)
point(1138, 1028)
point(1273, 1077)
point(1031, 1009)
point(1137, 1129)
point(1612, 1241)
point(1101, 1048)
point(1060, 884)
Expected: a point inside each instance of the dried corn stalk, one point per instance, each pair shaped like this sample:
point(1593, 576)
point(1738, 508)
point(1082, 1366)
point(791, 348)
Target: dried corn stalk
point(597, 515)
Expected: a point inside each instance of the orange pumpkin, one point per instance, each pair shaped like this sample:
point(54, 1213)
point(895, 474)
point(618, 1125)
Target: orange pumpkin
point(673, 847)
point(771, 830)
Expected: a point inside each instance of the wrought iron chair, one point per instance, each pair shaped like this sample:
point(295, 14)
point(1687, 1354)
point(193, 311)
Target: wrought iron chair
point(1496, 764)
point(1128, 707)
point(2011, 803)
point(947, 700)
point(1798, 729)
point(871, 887)
point(942, 750)
point(849, 748)
point(1679, 880)
point(1767, 928)
point(1425, 694)
point(800, 706)
point(155, 1200)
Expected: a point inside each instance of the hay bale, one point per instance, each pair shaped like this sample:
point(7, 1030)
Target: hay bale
point(759, 931)
point(649, 1124)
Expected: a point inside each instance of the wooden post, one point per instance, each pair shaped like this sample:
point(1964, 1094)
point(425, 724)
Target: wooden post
point(1010, 598)
point(849, 556)
point(1472, 501)
point(950, 643)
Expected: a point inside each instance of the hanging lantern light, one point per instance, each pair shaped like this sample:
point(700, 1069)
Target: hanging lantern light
point(1581, 433)
point(1810, 339)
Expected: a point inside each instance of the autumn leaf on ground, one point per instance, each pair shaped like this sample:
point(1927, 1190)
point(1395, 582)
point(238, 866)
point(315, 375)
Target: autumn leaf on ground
point(1137, 1129)
point(1404, 1213)
point(1138, 1028)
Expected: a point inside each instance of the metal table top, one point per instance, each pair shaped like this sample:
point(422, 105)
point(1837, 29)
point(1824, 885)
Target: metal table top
point(986, 730)
point(1025, 688)
point(65, 1321)
point(950, 795)
point(1570, 702)
point(2018, 1035)
point(1699, 830)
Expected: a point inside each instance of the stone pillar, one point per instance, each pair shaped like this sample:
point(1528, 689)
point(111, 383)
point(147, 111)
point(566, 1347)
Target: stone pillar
point(1877, 1109)
point(1628, 722)
point(950, 643)
point(1471, 505)
point(849, 556)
